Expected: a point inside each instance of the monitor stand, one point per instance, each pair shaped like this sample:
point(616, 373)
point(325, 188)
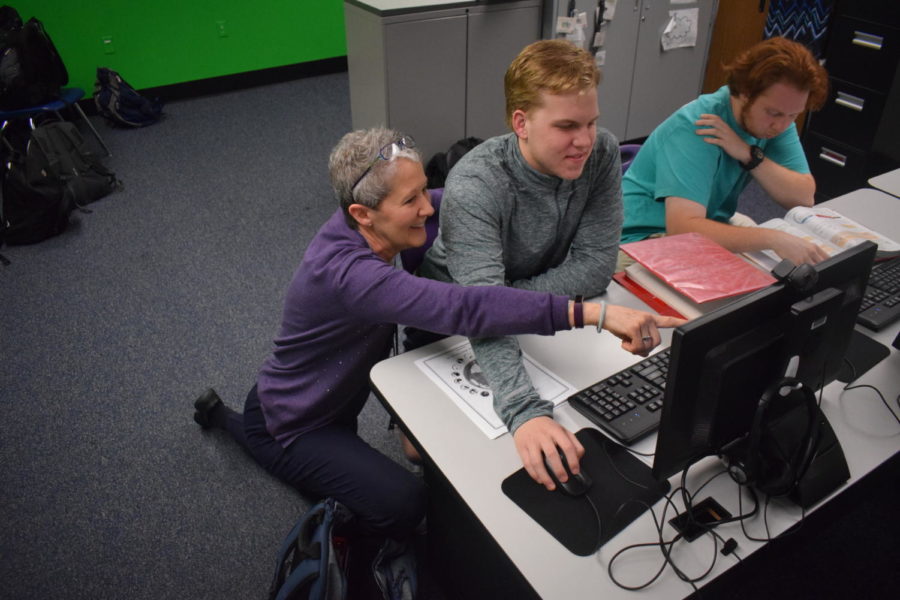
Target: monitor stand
point(827, 471)
point(863, 353)
point(784, 433)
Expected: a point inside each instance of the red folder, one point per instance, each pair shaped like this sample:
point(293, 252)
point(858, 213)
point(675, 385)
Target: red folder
point(697, 267)
point(644, 296)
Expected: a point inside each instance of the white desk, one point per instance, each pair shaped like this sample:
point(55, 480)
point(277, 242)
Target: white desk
point(475, 466)
point(889, 182)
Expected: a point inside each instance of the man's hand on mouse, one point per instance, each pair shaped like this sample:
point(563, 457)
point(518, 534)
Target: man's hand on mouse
point(542, 436)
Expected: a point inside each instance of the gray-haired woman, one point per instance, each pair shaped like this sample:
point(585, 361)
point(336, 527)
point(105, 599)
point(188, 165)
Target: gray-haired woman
point(339, 314)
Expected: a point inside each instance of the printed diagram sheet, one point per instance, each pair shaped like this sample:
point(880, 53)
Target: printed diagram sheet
point(681, 31)
point(459, 376)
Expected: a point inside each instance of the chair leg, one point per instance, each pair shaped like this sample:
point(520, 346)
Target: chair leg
point(89, 124)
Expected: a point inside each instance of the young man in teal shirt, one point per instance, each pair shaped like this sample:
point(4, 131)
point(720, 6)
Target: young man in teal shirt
point(689, 173)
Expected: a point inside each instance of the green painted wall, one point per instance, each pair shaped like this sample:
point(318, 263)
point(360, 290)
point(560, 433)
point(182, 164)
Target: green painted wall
point(162, 42)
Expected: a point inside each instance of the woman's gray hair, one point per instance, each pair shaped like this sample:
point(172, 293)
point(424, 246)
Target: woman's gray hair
point(352, 156)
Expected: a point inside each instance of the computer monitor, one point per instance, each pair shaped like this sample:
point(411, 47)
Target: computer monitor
point(722, 362)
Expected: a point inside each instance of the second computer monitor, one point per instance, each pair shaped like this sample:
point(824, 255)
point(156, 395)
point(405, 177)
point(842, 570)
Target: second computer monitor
point(723, 362)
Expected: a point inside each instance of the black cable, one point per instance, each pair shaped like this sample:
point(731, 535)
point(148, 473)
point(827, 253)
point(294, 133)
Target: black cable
point(689, 512)
point(620, 473)
point(632, 450)
point(849, 387)
point(766, 517)
point(598, 521)
point(853, 377)
point(666, 545)
point(661, 543)
point(789, 531)
point(741, 508)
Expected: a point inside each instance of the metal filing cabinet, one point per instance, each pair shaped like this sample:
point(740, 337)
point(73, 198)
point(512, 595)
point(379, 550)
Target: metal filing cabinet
point(434, 68)
point(857, 133)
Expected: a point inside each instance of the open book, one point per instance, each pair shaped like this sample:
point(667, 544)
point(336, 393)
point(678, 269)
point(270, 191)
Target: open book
point(822, 226)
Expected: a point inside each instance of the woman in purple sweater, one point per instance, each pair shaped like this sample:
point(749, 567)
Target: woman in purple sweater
point(299, 420)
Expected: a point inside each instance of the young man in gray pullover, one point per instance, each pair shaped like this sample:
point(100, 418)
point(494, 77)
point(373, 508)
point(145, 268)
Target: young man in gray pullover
point(540, 209)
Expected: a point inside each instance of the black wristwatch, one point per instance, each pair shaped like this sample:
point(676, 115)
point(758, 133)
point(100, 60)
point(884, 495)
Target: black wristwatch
point(756, 157)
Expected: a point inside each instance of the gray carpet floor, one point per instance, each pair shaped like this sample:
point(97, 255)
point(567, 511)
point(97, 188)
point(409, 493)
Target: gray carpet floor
point(108, 489)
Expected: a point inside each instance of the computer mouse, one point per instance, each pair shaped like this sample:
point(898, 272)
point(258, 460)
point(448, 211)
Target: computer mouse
point(576, 485)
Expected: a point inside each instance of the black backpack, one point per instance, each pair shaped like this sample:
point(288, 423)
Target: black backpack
point(44, 182)
point(31, 70)
point(121, 104)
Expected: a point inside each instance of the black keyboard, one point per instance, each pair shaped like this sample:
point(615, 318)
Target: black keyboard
point(881, 303)
point(627, 405)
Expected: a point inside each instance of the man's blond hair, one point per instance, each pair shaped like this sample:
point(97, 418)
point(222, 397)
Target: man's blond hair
point(555, 66)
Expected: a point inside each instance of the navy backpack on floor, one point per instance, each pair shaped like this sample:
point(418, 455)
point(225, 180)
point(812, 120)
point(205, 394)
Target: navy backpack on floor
point(312, 563)
point(121, 104)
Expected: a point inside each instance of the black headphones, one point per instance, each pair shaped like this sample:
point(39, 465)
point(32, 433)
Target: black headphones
point(764, 465)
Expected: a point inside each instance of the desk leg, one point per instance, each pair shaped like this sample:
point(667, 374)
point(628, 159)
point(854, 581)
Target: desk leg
point(470, 564)
point(462, 555)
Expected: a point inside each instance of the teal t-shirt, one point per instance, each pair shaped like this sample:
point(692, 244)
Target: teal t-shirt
point(675, 161)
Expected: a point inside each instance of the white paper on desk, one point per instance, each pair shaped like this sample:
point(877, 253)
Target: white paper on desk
point(681, 31)
point(459, 376)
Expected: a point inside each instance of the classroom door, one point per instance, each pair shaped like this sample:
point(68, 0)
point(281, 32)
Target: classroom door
point(738, 26)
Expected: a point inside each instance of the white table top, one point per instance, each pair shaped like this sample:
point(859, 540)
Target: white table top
point(476, 465)
point(889, 182)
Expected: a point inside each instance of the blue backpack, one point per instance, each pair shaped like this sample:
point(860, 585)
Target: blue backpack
point(121, 104)
point(312, 562)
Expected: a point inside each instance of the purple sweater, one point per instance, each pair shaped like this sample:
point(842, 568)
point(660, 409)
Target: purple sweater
point(338, 321)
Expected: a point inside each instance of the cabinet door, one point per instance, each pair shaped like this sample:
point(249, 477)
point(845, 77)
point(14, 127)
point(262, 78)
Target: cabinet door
point(426, 75)
point(619, 45)
point(496, 36)
point(665, 80)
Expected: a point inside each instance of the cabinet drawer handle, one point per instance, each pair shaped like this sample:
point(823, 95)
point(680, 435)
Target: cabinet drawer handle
point(833, 157)
point(867, 40)
point(851, 102)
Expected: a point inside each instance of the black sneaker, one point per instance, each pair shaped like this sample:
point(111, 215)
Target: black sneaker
point(204, 405)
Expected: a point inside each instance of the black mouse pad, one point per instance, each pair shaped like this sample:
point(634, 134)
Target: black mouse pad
point(622, 489)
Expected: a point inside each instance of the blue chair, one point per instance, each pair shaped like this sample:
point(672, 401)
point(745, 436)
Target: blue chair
point(628, 152)
point(67, 97)
point(411, 258)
